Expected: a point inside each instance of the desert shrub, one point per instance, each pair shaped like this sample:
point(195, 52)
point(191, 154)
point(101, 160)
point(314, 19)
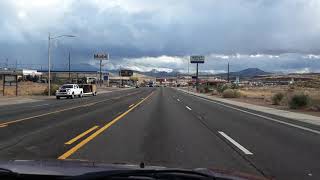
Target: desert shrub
point(277, 98)
point(234, 86)
point(214, 92)
point(53, 87)
point(206, 89)
point(222, 87)
point(299, 101)
point(230, 93)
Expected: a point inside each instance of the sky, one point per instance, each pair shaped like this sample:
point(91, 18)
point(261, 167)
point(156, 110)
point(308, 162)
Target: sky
point(275, 36)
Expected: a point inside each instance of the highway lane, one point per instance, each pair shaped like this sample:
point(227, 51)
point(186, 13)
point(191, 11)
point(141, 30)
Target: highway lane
point(163, 126)
point(179, 130)
point(44, 137)
point(162, 132)
point(49, 105)
point(280, 150)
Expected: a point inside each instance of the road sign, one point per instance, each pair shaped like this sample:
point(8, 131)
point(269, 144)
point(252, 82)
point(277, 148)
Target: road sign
point(9, 78)
point(197, 59)
point(126, 73)
point(101, 56)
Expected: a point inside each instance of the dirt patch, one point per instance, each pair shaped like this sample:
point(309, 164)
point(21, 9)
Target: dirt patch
point(260, 102)
point(262, 96)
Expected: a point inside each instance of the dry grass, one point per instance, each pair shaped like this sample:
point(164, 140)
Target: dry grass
point(267, 92)
point(264, 94)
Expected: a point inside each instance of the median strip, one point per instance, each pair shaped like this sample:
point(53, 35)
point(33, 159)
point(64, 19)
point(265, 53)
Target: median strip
point(105, 127)
point(81, 135)
point(239, 146)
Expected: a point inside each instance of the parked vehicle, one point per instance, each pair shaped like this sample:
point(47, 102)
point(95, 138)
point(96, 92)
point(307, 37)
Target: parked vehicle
point(89, 89)
point(69, 91)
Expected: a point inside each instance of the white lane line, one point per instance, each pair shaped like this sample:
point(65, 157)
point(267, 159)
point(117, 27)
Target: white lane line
point(243, 149)
point(188, 108)
point(178, 100)
point(258, 115)
point(40, 105)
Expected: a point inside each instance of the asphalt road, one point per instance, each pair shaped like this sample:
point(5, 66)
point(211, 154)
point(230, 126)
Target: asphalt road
point(158, 126)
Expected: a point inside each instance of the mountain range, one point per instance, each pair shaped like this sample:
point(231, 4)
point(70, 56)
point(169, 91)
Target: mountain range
point(246, 73)
point(249, 72)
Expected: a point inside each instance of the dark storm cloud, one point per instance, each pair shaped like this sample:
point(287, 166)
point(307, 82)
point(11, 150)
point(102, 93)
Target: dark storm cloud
point(135, 30)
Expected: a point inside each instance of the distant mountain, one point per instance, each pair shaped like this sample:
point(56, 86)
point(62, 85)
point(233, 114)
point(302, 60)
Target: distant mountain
point(246, 73)
point(74, 67)
point(156, 73)
point(84, 67)
point(250, 72)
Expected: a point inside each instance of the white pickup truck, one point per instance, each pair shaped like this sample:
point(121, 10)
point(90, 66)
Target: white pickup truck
point(69, 91)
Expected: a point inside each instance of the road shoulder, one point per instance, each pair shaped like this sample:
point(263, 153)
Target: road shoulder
point(314, 120)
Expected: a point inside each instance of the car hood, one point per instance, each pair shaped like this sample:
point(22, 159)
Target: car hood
point(80, 167)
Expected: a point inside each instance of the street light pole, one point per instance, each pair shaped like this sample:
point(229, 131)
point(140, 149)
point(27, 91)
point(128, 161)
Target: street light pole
point(49, 85)
point(100, 73)
point(188, 75)
point(69, 67)
point(49, 63)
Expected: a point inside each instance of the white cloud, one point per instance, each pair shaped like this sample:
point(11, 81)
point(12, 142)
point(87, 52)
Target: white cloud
point(217, 63)
point(303, 70)
point(311, 56)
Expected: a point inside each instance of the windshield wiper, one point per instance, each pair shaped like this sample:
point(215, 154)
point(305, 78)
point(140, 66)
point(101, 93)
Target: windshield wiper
point(145, 174)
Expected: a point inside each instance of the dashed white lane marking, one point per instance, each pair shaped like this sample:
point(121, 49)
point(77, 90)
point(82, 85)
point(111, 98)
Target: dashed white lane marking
point(262, 116)
point(178, 100)
point(243, 149)
point(188, 108)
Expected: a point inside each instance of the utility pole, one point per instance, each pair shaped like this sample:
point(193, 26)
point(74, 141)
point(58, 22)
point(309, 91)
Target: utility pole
point(197, 75)
point(100, 73)
point(188, 74)
point(228, 73)
point(49, 85)
point(69, 67)
point(7, 63)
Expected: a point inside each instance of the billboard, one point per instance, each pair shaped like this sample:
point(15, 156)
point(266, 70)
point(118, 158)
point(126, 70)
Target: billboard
point(126, 73)
point(197, 59)
point(101, 56)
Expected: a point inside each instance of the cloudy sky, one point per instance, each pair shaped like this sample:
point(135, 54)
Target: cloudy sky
point(274, 35)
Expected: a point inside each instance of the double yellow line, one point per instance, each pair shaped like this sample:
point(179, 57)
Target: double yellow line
point(99, 131)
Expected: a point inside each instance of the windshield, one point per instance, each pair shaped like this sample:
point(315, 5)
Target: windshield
point(228, 86)
point(66, 86)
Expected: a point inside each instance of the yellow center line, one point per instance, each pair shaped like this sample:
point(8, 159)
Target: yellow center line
point(54, 112)
point(40, 115)
point(131, 105)
point(99, 131)
point(81, 135)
